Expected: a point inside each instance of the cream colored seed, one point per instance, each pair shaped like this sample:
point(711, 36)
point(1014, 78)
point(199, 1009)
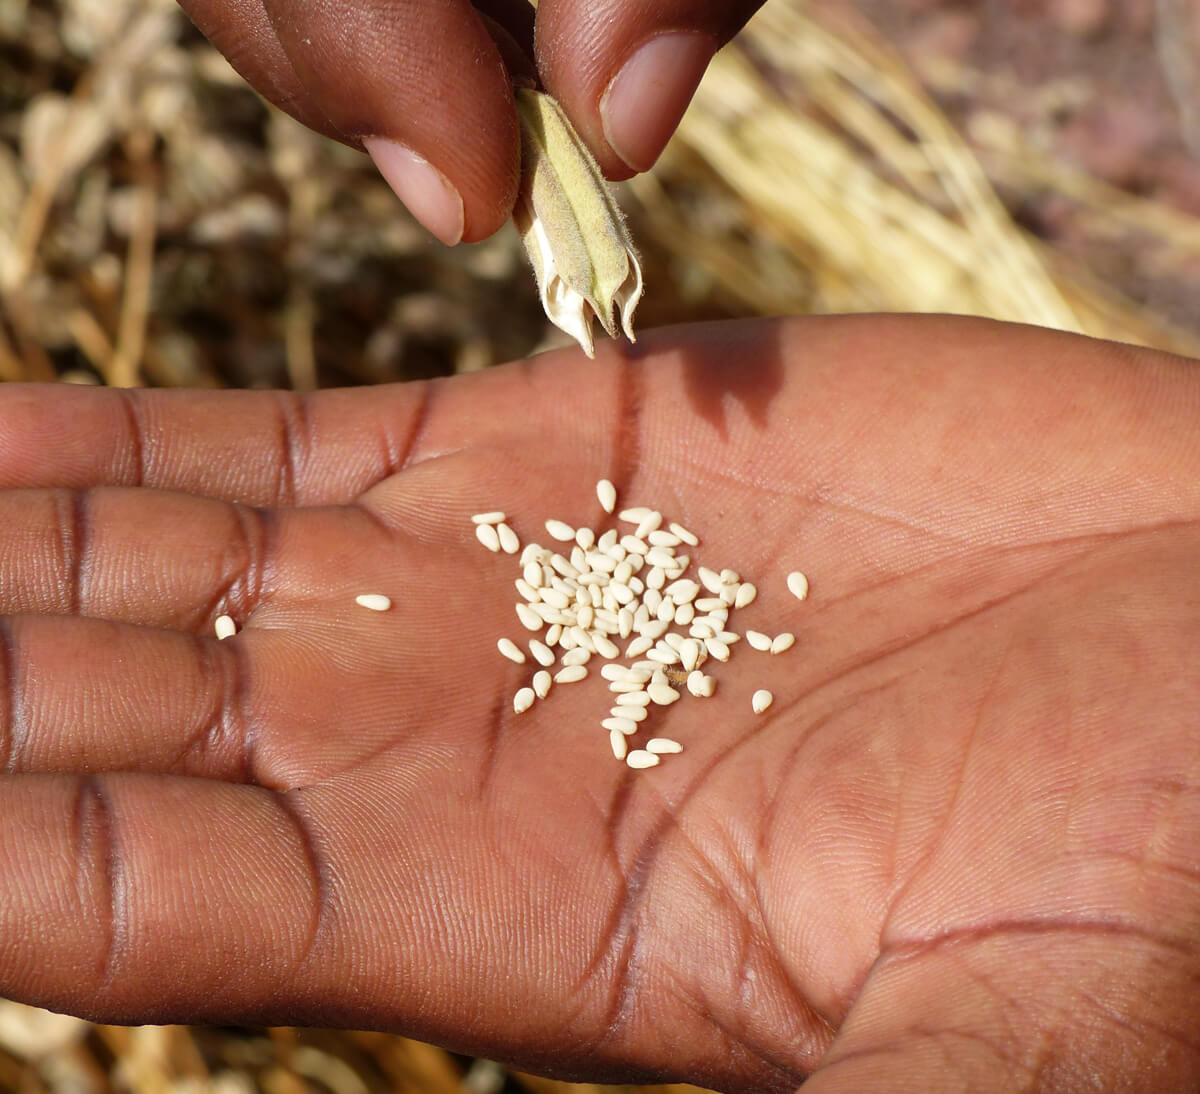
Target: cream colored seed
point(623, 686)
point(542, 653)
point(684, 614)
point(659, 538)
point(614, 672)
point(634, 714)
point(529, 618)
point(640, 758)
point(635, 515)
point(797, 585)
point(634, 546)
point(717, 649)
point(541, 683)
point(662, 746)
point(609, 540)
point(607, 495)
point(661, 693)
point(639, 646)
point(494, 517)
point(606, 647)
point(661, 556)
point(760, 700)
point(510, 650)
point(553, 634)
point(526, 590)
point(700, 685)
point(710, 579)
point(375, 602)
point(746, 593)
point(576, 656)
point(627, 726)
point(758, 640)
point(488, 536)
point(226, 627)
point(710, 604)
point(783, 642)
point(532, 573)
point(560, 531)
point(523, 700)
point(683, 591)
point(585, 538)
point(618, 744)
point(572, 674)
point(509, 543)
point(730, 577)
point(690, 538)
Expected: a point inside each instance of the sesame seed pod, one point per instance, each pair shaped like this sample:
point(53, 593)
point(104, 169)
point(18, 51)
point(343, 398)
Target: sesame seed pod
point(488, 536)
point(523, 700)
point(494, 517)
point(510, 649)
point(640, 758)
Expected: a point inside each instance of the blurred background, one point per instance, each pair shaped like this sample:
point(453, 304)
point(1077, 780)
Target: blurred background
point(1028, 160)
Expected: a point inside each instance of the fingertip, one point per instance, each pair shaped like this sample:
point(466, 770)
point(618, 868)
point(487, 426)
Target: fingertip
point(431, 197)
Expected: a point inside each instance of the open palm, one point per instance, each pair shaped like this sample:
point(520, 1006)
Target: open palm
point(960, 851)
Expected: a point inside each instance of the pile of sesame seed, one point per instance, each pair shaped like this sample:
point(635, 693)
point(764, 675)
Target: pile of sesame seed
point(630, 588)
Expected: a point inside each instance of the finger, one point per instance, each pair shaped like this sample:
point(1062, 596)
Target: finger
point(259, 448)
point(420, 84)
point(625, 72)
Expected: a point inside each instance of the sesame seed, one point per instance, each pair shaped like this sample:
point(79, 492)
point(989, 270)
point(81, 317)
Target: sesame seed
point(585, 538)
point(649, 523)
point(662, 746)
point(510, 649)
point(635, 515)
point(607, 495)
point(509, 543)
point(606, 647)
point(541, 683)
point(700, 685)
point(532, 573)
point(659, 538)
point(623, 686)
point(572, 674)
point(542, 653)
point(634, 546)
point(709, 604)
point(661, 693)
point(660, 556)
point(782, 642)
point(690, 538)
point(626, 726)
point(553, 634)
point(618, 744)
point(797, 585)
point(683, 591)
point(633, 699)
point(494, 517)
point(488, 536)
point(576, 656)
point(225, 627)
point(640, 758)
point(523, 700)
point(375, 602)
point(760, 700)
point(717, 649)
point(639, 646)
point(529, 618)
point(746, 593)
point(684, 614)
point(560, 531)
point(609, 540)
point(759, 640)
point(710, 579)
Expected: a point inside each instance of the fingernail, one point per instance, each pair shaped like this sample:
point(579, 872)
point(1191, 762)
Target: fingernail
point(425, 191)
point(646, 99)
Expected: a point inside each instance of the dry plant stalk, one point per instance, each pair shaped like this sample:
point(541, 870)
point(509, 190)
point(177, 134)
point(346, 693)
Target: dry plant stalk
point(572, 229)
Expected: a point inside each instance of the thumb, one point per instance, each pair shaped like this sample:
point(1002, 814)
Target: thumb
point(625, 70)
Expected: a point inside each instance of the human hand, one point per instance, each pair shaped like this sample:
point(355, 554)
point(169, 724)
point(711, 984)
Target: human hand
point(961, 851)
point(425, 86)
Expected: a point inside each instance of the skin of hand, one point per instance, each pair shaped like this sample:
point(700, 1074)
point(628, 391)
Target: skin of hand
point(425, 86)
point(961, 851)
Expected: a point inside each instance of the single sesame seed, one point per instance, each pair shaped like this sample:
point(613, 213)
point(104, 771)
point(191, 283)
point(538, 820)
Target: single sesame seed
point(585, 538)
point(639, 646)
point(532, 573)
point(689, 654)
point(584, 639)
point(541, 683)
point(542, 653)
point(649, 523)
point(526, 590)
point(529, 618)
point(624, 623)
point(488, 536)
point(717, 649)
point(655, 628)
point(659, 538)
point(510, 650)
point(660, 556)
point(640, 758)
point(710, 604)
point(700, 629)
point(577, 655)
point(586, 615)
point(626, 726)
point(683, 591)
point(560, 531)
point(623, 686)
point(797, 585)
point(728, 637)
point(662, 746)
point(375, 602)
point(746, 593)
point(623, 571)
point(759, 640)
point(523, 700)
point(690, 538)
point(553, 634)
point(606, 493)
point(606, 647)
point(618, 744)
point(760, 700)
point(494, 517)
point(635, 515)
point(730, 577)
point(609, 540)
point(622, 594)
point(225, 627)
point(571, 674)
point(661, 693)
point(633, 699)
point(694, 684)
point(684, 614)
point(710, 579)
point(783, 642)
point(509, 543)
point(666, 611)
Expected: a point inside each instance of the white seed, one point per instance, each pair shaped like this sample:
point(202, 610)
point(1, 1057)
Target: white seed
point(760, 700)
point(659, 538)
point(623, 725)
point(618, 744)
point(684, 614)
point(662, 746)
point(624, 623)
point(661, 556)
point(555, 598)
point(585, 538)
point(689, 654)
point(634, 546)
point(746, 593)
point(586, 615)
point(609, 540)
point(529, 618)
point(730, 577)
point(664, 655)
point(690, 538)
point(584, 639)
point(649, 523)
point(577, 655)
point(700, 685)
point(542, 653)
point(560, 531)
point(759, 640)
point(510, 649)
point(607, 495)
point(683, 591)
point(710, 604)
point(531, 553)
point(622, 594)
point(717, 649)
point(710, 579)
point(523, 700)
point(624, 571)
point(635, 515)
point(702, 630)
point(782, 642)
point(563, 567)
point(666, 610)
point(488, 536)
point(494, 517)
point(509, 543)
point(654, 629)
point(541, 683)
point(728, 637)
point(554, 634)
point(622, 687)
point(661, 693)
point(227, 628)
point(526, 590)
point(797, 584)
point(376, 602)
point(606, 647)
point(640, 758)
point(571, 674)
point(614, 672)
point(639, 646)
point(532, 573)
